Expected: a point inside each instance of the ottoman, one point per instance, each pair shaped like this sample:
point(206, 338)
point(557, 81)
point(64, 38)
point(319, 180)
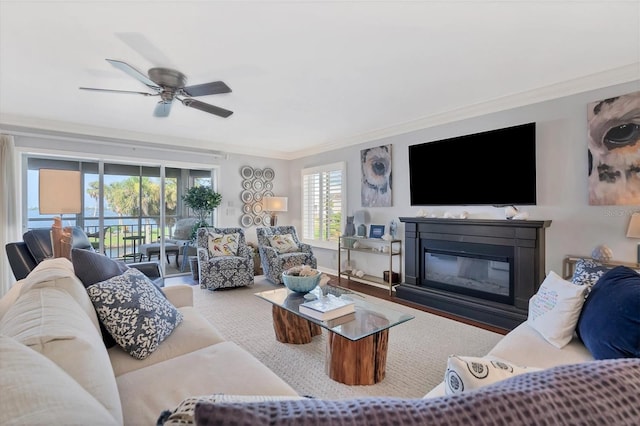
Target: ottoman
point(152, 249)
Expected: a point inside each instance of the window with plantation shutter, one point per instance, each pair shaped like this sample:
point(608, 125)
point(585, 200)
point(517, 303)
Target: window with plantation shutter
point(323, 204)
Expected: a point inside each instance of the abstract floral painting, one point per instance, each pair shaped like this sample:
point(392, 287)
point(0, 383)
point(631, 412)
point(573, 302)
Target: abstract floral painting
point(376, 176)
point(614, 150)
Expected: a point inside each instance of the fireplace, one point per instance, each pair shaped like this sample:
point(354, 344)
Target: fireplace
point(484, 270)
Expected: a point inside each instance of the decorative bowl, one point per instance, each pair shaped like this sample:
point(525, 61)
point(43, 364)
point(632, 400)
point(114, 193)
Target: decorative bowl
point(301, 283)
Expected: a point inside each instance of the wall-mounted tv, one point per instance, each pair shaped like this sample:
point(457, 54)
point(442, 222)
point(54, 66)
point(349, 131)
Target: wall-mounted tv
point(495, 168)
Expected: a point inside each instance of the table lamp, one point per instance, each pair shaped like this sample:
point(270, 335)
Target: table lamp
point(633, 231)
point(59, 193)
point(273, 205)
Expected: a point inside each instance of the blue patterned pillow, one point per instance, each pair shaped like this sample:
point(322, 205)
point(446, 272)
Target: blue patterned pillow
point(588, 272)
point(134, 311)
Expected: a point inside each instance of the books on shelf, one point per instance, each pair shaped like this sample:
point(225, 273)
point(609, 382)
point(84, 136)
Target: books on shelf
point(328, 307)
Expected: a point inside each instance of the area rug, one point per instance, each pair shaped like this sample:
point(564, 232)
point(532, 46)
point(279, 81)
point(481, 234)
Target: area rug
point(416, 359)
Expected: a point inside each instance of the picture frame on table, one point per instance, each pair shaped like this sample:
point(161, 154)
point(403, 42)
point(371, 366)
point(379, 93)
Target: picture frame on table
point(376, 231)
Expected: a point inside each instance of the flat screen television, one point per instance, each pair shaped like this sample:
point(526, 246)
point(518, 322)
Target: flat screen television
point(496, 168)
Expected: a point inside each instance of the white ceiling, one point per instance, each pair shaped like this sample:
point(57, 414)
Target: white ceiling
point(306, 76)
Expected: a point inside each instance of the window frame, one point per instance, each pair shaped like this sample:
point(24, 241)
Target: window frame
point(340, 166)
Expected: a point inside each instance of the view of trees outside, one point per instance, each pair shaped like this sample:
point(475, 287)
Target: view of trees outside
point(131, 200)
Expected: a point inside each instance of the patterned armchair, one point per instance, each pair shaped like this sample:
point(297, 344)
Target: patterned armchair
point(280, 249)
point(224, 258)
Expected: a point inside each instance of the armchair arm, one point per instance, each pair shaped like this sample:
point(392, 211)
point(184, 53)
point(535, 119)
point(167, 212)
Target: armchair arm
point(150, 269)
point(245, 251)
point(269, 252)
point(203, 254)
point(305, 247)
point(179, 295)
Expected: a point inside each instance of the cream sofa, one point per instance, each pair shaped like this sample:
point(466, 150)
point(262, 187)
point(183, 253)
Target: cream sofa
point(525, 347)
point(55, 368)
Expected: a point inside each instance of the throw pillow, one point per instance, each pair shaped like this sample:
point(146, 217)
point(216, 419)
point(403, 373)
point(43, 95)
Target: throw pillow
point(135, 312)
point(92, 267)
point(588, 272)
point(183, 414)
point(465, 373)
point(223, 244)
point(609, 324)
point(555, 308)
point(283, 243)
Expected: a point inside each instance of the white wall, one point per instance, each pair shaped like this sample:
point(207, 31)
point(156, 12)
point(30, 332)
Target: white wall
point(562, 168)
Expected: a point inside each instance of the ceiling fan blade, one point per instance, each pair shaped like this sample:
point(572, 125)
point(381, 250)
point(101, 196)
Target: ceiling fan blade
point(162, 109)
point(119, 91)
point(143, 46)
point(206, 107)
point(123, 66)
point(212, 88)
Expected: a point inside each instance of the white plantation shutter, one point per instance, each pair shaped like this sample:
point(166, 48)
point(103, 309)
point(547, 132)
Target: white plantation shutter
point(323, 204)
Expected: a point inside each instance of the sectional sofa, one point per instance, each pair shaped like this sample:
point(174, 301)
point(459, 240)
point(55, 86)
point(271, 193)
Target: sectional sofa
point(56, 369)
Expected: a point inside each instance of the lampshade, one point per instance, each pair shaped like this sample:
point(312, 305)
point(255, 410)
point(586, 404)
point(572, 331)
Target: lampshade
point(59, 191)
point(275, 204)
point(633, 231)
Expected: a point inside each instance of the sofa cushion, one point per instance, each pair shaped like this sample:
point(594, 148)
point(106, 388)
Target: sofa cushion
point(525, 346)
point(193, 333)
point(597, 392)
point(283, 243)
point(134, 311)
point(49, 321)
point(609, 324)
point(465, 373)
point(92, 267)
point(555, 308)
point(224, 368)
point(223, 244)
point(58, 273)
point(36, 391)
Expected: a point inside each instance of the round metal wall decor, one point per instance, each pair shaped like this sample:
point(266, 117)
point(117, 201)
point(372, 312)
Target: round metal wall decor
point(256, 184)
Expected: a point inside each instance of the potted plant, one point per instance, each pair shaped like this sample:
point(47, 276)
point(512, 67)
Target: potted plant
point(202, 200)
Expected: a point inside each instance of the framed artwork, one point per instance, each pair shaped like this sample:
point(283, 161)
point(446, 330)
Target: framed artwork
point(614, 150)
point(376, 176)
point(376, 231)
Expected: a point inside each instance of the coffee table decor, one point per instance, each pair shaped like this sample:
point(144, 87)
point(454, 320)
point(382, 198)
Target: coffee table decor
point(301, 279)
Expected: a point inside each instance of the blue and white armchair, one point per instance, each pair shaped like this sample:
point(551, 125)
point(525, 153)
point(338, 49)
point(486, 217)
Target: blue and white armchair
point(224, 258)
point(280, 249)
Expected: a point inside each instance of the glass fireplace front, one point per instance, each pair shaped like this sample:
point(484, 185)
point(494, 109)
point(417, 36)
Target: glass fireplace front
point(478, 270)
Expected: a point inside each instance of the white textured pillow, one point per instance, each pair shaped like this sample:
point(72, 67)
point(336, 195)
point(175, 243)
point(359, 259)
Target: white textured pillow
point(223, 244)
point(283, 243)
point(466, 373)
point(554, 310)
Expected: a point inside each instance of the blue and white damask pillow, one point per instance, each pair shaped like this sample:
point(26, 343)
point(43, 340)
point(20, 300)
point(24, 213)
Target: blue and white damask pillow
point(588, 272)
point(134, 311)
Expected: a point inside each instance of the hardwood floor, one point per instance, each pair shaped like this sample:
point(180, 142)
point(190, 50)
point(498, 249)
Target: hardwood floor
point(370, 290)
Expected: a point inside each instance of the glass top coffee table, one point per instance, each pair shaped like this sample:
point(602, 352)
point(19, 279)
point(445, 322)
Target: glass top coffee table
point(356, 344)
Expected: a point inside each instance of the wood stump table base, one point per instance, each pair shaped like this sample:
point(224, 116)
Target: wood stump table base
point(357, 362)
point(292, 328)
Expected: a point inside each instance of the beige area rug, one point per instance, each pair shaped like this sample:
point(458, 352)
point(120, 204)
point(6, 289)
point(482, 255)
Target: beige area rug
point(416, 359)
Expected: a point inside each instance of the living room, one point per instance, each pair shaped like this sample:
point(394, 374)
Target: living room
point(558, 106)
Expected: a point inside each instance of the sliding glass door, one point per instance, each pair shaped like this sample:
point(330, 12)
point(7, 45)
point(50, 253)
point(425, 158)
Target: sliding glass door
point(124, 206)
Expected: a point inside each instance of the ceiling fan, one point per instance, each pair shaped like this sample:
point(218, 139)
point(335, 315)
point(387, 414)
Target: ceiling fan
point(169, 84)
